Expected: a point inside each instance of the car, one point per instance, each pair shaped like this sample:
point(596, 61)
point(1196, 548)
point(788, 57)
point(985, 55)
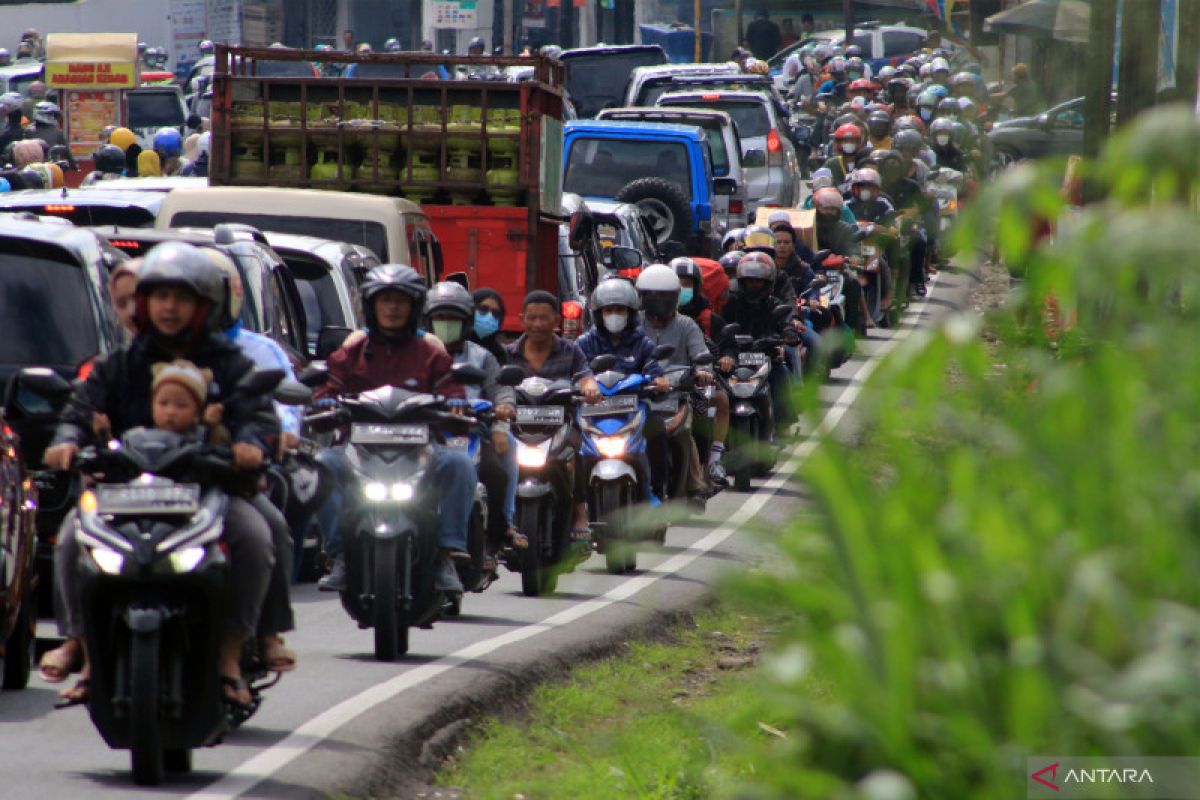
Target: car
point(16, 77)
point(663, 168)
point(725, 147)
point(1057, 131)
point(647, 83)
point(624, 225)
point(579, 264)
point(152, 108)
point(881, 44)
point(596, 77)
point(18, 546)
point(769, 159)
point(94, 205)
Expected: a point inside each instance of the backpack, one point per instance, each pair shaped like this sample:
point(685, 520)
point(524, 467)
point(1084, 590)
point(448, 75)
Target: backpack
point(715, 283)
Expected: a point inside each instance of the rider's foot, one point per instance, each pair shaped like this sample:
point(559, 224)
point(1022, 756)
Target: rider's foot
point(58, 664)
point(446, 579)
point(335, 581)
point(716, 473)
point(234, 686)
point(276, 656)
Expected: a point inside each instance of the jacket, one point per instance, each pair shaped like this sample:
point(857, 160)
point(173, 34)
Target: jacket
point(119, 386)
point(477, 355)
point(409, 363)
point(634, 351)
point(756, 318)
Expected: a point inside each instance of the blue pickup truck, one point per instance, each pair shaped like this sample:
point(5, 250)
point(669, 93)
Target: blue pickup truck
point(663, 168)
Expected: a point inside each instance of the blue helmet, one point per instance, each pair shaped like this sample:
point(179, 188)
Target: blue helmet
point(168, 142)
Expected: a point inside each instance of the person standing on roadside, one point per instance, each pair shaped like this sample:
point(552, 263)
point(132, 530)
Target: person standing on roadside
point(763, 36)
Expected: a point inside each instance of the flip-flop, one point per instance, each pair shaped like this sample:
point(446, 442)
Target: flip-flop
point(237, 684)
point(77, 695)
point(518, 540)
point(56, 666)
point(278, 658)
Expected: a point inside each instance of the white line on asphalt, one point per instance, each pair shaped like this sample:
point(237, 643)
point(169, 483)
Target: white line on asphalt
point(246, 775)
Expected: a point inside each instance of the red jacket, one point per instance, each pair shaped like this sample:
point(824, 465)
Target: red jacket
point(413, 364)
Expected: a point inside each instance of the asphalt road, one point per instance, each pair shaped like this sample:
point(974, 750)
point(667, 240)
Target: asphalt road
point(343, 722)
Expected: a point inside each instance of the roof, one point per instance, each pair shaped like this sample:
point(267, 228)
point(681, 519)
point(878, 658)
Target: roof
point(619, 48)
point(725, 67)
point(271, 195)
point(734, 94)
point(666, 113)
point(92, 196)
point(649, 128)
point(163, 184)
point(76, 240)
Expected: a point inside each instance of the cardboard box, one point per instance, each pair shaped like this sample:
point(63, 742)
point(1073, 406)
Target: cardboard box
point(804, 220)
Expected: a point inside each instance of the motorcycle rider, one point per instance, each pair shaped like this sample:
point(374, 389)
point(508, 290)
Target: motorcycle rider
point(544, 354)
point(392, 354)
point(760, 239)
point(179, 297)
point(847, 144)
point(489, 316)
point(168, 144)
point(871, 206)
point(450, 309)
point(659, 288)
point(47, 124)
point(919, 216)
point(879, 128)
point(840, 238)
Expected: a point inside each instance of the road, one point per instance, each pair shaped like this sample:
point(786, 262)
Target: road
point(344, 723)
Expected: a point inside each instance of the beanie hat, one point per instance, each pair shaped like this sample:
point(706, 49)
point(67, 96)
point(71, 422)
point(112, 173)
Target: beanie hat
point(184, 373)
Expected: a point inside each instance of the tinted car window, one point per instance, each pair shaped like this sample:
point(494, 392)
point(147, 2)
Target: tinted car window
point(598, 80)
point(750, 118)
point(46, 312)
point(600, 167)
point(369, 234)
point(318, 292)
point(154, 110)
point(898, 43)
point(121, 216)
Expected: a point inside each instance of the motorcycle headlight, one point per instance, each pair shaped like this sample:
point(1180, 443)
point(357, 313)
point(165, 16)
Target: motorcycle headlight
point(109, 561)
point(375, 492)
point(532, 456)
point(611, 446)
point(398, 492)
point(402, 492)
point(185, 560)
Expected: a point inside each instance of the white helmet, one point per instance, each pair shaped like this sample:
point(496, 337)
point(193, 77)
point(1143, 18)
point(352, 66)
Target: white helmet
point(658, 278)
point(231, 310)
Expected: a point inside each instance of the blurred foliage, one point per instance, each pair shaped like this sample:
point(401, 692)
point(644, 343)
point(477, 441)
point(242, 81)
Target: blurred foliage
point(1008, 564)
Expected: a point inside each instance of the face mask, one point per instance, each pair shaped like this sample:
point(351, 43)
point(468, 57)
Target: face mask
point(615, 322)
point(942, 140)
point(865, 195)
point(925, 114)
point(448, 330)
point(685, 296)
point(849, 147)
point(485, 324)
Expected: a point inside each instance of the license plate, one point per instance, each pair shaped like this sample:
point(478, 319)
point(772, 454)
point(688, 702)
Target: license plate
point(540, 415)
point(870, 250)
point(385, 434)
point(751, 359)
point(178, 498)
point(610, 405)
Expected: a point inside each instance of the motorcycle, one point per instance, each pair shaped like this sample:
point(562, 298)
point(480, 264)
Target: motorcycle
point(674, 410)
point(827, 295)
point(543, 430)
point(391, 534)
point(806, 134)
point(153, 582)
point(945, 185)
point(749, 450)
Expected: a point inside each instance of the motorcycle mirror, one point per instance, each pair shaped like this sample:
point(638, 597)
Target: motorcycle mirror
point(293, 393)
point(703, 360)
point(260, 381)
point(603, 363)
point(313, 376)
point(780, 313)
point(732, 330)
point(468, 374)
point(671, 249)
point(743, 342)
point(460, 278)
point(861, 233)
point(821, 256)
point(663, 352)
point(623, 257)
point(511, 375)
point(329, 340)
point(45, 383)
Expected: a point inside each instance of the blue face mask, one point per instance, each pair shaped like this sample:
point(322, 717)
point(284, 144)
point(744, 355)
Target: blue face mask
point(685, 296)
point(485, 324)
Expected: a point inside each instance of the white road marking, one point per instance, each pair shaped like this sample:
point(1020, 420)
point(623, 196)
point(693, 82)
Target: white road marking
point(246, 775)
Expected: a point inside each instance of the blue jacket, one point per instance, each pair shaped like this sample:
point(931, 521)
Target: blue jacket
point(634, 352)
point(267, 354)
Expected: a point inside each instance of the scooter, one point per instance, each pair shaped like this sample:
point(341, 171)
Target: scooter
point(391, 542)
point(945, 185)
point(750, 450)
point(546, 447)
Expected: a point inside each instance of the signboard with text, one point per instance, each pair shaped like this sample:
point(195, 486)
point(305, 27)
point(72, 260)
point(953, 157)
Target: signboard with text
point(83, 75)
point(455, 14)
point(88, 113)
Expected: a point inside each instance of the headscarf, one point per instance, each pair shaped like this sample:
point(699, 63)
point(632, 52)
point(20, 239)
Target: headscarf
point(191, 147)
point(149, 165)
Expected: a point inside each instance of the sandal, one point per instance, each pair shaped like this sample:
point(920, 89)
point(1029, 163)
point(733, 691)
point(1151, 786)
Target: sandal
point(56, 665)
point(277, 658)
point(238, 685)
point(77, 695)
point(517, 540)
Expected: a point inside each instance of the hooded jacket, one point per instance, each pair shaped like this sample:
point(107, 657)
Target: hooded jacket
point(634, 351)
point(410, 363)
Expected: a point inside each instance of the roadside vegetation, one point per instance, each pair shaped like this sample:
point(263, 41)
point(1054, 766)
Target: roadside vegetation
point(1004, 564)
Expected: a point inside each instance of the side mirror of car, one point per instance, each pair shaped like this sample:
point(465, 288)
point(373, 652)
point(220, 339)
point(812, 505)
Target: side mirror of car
point(511, 375)
point(293, 393)
point(603, 363)
point(663, 352)
point(724, 186)
point(754, 158)
point(329, 340)
point(313, 377)
point(623, 257)
point(468, 374)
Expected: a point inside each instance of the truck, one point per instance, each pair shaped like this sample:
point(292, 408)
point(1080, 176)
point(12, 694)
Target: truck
point(479, 154)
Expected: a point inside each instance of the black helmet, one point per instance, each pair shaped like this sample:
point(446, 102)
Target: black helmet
point(392, 278)
point(392, 45)
point(477, 44)
point(908, 141)
point(853, 51)
point(879, 124)
point(110, 159)
point(729, 262)
point(182, 265)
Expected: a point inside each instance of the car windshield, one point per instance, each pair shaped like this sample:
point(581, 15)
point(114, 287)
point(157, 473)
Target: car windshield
point(154, 110)
point(46, 314)
point(369, 234)
point(318, 292)
point(597, 80)
point(600, 167)
point(749, 116)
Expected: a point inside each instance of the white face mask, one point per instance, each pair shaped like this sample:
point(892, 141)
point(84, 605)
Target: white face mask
point(849, 147)
point(615, 321)
point(942, 140)
point(865, 195)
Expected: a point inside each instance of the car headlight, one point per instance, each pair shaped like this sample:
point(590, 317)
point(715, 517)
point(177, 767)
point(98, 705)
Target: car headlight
point(531, 456)
point(109, 561)
point(185, 560)
point(611, 446)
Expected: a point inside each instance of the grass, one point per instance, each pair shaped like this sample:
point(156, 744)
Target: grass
point(662, 720)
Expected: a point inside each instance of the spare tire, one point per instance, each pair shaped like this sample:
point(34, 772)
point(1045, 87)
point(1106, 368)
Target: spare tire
point(663, 204)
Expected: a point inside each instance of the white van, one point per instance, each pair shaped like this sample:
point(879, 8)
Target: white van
point(394, 229)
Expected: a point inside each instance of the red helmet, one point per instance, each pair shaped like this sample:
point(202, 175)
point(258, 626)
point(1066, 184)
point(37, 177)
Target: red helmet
point(862, 85)
point(848, 131)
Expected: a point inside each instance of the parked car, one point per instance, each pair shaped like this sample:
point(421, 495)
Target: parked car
point(881, 44)
point(647, 83)
point(725, 148)
point(596, 77)
point(769, 159)
point(1055, 132)
point(664, 169)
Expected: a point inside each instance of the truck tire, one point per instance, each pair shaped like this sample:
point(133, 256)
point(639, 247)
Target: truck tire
point(664, 205)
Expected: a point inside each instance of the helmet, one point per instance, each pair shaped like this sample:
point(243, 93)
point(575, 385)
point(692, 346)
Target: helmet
point(828, 197)
point(837, 65)
point(947, 107)
point(156, 57)
point(854, 51)
point(5, 56)
point(908, 142)
point(925, 72)
point(733, 237)
point(855, 65)
point(449, 297)
point(392, 278)
point(866, 176)
point(730, 260)
point(756, 266)
point(46, 113)
point(907, 70)
point(759, 239)
point(847, 138)
point(56, 176)
point(168, 143)
point(889, 163)
point(967, 109)
point(235, 292)
point(615, 291)
point(207, 47)
point(942, 131)
point(122, 138)
point(10, 102)
point(658, 286)
point(886, 74)
point(964, 82)
point(110, 159)
point(927, 101)
point(181, 265)
point(908, 122)
point(392, 45)
point(687, 268)
point(939, 64)
point(477, 44)
point(879, 123)
point(862, 85)
point(31, 178)
point(551, 51)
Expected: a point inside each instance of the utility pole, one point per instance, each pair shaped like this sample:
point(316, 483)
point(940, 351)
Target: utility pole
point(1140, 21)
point(848, 11)
point(1097, 102)
point(696, 12)
point(1187, 55)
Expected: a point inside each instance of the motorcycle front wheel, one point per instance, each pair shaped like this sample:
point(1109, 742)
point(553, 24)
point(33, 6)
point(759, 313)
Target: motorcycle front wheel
point(146, 751)
point(534, 520)
point(391, 639)
point(620, 555)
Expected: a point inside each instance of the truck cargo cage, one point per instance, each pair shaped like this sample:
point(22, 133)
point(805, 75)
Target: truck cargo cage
point(433, 128)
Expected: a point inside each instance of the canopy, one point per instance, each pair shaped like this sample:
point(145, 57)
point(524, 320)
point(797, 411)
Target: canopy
point(1064, 20)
